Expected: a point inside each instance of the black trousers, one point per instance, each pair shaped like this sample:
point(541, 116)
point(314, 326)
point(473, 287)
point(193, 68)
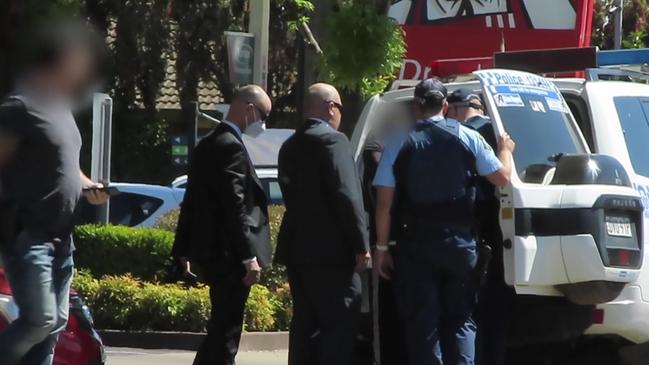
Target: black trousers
point(326, 306)
point(391, 339)
point(228, 295)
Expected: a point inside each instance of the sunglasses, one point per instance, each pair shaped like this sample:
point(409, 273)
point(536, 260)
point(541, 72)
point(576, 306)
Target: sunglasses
point(336, 104)
point(263, 115)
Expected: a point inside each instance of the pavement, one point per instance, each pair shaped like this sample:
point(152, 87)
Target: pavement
point(129, 356)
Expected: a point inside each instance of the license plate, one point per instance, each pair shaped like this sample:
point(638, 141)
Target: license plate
point(619, 229)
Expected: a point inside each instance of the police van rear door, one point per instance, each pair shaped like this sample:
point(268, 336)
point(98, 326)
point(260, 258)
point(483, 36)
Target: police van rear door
point(531, 109)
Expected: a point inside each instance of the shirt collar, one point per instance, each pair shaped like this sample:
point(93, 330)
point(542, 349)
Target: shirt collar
point(433, 119)
point(322, 121)
point(233, 126)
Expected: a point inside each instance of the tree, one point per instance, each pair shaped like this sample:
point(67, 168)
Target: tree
point(368, 58)
point(635, 24)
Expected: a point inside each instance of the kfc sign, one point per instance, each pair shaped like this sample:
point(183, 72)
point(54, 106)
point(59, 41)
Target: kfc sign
point(475, 29)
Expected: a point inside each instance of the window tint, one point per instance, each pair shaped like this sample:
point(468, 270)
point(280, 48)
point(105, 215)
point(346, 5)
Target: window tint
point(634, 117)
point(539, 135)
point(579, 110)
point(126, 209)
point(132, 209)
point(273, 192)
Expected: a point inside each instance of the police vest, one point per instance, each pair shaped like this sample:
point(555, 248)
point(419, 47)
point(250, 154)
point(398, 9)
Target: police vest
point(436, 179)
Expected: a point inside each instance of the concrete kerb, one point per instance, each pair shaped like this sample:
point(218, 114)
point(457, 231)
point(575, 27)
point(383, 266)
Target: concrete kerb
point(250, 341)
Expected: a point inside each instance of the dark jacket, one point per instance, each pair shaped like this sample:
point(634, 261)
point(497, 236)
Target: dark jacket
point(224, 218)
point(324, 223)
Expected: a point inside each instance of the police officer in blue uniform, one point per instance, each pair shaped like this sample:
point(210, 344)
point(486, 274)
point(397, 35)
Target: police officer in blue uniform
point(427, 183)
point(496, 296)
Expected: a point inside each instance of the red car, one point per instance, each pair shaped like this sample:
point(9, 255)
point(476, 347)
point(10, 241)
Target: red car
point(78, 345)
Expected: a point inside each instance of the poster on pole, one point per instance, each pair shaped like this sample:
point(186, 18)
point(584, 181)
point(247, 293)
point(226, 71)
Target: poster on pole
point(241, 57)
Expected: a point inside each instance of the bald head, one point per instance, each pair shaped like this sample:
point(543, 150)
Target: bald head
point(250, 104)
point(323, 102)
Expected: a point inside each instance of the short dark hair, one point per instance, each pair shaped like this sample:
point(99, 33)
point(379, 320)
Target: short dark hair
point(52, 40)
point(430, 95)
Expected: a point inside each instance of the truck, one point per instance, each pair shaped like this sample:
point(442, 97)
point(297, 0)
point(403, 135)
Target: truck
point(572, 218)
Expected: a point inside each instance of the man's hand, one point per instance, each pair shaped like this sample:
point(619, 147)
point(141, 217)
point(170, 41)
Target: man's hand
point(383, 264)
point(95, 195)
point(363, 262)
point(506, 143)
point(253, 273)
point(185, 264)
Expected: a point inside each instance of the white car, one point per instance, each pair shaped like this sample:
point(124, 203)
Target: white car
point(137, 205)
point(568, 236)
point(267, 175)
point(612, 109)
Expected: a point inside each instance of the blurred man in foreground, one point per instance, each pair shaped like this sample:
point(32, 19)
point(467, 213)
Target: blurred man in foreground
point(323, 238)
point(223, 224)
point(40, 185)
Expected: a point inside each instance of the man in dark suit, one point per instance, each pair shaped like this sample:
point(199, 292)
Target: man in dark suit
point(223, 225)
point(323, 238)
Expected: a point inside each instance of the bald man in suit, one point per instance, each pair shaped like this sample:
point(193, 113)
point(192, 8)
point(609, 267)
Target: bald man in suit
point(323, 239)
point(223, 224)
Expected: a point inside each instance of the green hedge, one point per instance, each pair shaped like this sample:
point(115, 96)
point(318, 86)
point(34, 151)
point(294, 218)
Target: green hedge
point(117, 250)
point(125, 303)
point(130, 262)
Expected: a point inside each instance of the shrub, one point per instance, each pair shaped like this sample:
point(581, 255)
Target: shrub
point(85, 284)
point(116, 303)
point(168, 221)
point(117, 250)
point(284, 308)
point(125, 303)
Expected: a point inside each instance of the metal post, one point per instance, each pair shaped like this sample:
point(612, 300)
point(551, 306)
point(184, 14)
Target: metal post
point(102, 125)
point(259, 25)
point(619, 13)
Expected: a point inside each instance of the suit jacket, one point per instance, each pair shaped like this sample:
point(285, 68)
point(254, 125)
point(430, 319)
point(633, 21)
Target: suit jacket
point(224, 217)
point(324, 223)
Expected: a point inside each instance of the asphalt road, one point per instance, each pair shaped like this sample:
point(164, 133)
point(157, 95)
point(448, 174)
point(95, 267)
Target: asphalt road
point(127, 356)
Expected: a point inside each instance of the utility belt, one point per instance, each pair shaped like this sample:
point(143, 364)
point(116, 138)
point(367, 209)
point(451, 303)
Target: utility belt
point(457, 215)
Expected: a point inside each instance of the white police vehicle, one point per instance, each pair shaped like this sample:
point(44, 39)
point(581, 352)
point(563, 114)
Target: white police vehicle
point(611, 106)
point(572, 221)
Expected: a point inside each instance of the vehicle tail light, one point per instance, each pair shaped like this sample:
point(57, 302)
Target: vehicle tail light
point(624, 258)
point(598, 316)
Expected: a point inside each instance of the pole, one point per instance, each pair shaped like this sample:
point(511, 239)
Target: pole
point(619, 13)
point(101, 146)
point(259, 26)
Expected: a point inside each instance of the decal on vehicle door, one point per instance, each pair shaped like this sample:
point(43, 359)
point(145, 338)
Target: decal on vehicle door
point(509, 99)
point(537, 106)
point(557, 105)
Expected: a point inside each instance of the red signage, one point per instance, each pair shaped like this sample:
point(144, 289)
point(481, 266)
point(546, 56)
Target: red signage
point(448, 37)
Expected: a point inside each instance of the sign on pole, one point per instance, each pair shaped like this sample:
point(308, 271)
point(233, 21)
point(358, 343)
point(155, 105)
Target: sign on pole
point(241, 57)
point(102, 118)
point(180, 150)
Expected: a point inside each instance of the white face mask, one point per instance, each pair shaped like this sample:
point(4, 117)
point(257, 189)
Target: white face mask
point(255, 129)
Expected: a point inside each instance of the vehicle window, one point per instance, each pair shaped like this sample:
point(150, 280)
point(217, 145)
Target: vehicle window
point(131, 209)
point(541, 133)
point(579, 110)
point(273, 191)
point(634, 117)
